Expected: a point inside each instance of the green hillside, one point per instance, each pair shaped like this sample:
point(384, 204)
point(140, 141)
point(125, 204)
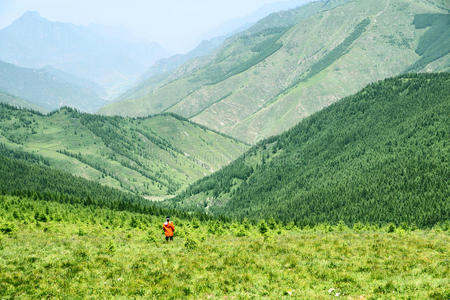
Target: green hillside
point(66, 236)
point(50, 88)
point(17, 102)
point(381, 155)
point(291, 64)
point(154, 156)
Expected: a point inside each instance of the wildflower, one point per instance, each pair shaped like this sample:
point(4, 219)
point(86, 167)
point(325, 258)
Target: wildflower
point(331, 290)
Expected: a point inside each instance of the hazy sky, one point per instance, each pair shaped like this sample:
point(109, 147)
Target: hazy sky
point(176, 24)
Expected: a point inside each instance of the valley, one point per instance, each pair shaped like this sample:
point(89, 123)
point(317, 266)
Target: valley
point(300, 150)
point(152, 156)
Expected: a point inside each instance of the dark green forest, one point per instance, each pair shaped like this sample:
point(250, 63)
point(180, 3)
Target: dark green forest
point(27, 175)
point(379, 156)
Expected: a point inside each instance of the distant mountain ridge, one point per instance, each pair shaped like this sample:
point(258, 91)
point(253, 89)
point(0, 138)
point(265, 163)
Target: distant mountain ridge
point(240, 24)
point(291, 64)
point(50, 88)
point(14, 101)
point(91, 52)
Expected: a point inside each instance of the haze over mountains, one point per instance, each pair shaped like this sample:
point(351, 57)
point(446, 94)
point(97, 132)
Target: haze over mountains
point(107, 56)
point(291, 64)
point(240, 24)
point(49, 89)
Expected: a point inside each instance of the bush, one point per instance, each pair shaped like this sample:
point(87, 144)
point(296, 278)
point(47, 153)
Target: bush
point(7, 228)
point(191, 244)
point(262, 227)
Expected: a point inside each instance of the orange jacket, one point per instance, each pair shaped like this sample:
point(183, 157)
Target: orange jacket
point(169, 228)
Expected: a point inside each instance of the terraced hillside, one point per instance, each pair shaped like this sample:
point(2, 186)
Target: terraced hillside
point(381, 155)
point(154, 156)
point(294, 63)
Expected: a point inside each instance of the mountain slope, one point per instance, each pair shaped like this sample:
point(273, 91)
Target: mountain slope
point(96, 53)
point(152, 156)
point(379, 156)
point(235, 55)
point(240, 24)
point(50, 88)
point(161, 71)
point(262, 83)
point(6, 98)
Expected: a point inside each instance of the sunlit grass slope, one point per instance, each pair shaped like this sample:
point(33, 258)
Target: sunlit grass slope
point(152, 156)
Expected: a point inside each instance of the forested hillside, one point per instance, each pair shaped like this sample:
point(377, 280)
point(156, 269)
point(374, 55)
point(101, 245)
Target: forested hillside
point(291, 64)
point(381, 155)
point(154, 156)
point(76, 234)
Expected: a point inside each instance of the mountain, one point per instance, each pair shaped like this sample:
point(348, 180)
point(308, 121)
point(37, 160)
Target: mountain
point(291, 64)
point(6, 98)
point(378, 156)
point(50, 88)
point(159, 95)
point(240, 24)
point(161, 71)
point(97, 53)
point(154, 156)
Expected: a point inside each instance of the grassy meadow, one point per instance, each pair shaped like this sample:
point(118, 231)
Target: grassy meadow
point(53, 250)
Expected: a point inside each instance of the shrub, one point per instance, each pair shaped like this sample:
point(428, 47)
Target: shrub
point(191, 244)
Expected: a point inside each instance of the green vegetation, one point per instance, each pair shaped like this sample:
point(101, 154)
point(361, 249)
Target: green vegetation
point(435, 43)
point(71, 251)
point(49, 89)
point(294, 63)
point(379, 156)
point(29, 175)
point(153, 156)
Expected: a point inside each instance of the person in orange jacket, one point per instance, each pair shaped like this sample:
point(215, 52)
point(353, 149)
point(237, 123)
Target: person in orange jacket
point(169, 229)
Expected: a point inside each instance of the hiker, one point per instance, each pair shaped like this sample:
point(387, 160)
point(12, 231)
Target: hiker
point(169, 229)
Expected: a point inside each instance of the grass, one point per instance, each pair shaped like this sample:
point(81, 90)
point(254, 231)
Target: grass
point(78, 252)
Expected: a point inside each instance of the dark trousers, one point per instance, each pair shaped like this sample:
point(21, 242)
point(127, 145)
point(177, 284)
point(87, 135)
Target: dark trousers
point(169, 238)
